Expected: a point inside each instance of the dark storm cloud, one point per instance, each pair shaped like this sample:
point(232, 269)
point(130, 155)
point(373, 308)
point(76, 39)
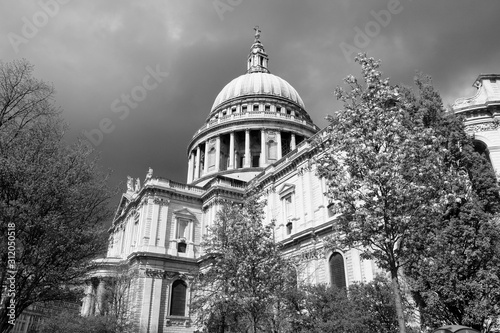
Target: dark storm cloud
point(96, 51)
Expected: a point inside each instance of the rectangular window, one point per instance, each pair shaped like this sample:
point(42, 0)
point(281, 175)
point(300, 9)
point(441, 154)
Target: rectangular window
point(182, 228)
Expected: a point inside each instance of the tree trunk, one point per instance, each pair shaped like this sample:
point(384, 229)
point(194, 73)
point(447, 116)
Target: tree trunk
point(398, 300)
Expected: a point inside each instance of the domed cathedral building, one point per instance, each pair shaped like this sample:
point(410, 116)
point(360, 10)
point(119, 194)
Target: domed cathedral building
point(256, 141)
point(482, 116)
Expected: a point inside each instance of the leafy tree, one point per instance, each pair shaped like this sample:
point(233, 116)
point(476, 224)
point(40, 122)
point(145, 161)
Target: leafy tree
point(386, 172)
point(455, 271)
point(67, 321)
point(243, 277)
point(365, 307)
point(321, 308)
point(53, 198)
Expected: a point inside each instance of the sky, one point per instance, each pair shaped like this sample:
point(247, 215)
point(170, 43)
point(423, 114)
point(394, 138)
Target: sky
point(140, 77)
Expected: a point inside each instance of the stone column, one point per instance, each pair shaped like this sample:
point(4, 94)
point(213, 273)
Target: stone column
point(217, 154)
point(278, 142)
point(101, 288)
point(292, 142)
point(247, 149)
point(262, 148)
point(198, 161)
point(231, 151)
point(87, 301)
point(205, 167)
point(190, 168)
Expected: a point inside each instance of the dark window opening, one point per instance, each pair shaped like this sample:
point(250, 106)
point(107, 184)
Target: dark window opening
point(268, 108)
point(330, 210)
point(178, 300)
point(289, 227)
point(482, 149)
point(255, 161)
point(337, 271)
point(255, 107)
point(181, 247)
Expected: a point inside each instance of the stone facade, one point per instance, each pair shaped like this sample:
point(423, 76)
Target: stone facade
point(257, 140)
point(482, 116)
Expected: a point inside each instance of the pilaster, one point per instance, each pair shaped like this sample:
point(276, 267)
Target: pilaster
point(231, 151)
point(247, 149)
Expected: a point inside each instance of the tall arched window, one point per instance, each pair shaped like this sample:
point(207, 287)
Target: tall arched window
point(337, 271)
point(481, 148)
point(178, 300)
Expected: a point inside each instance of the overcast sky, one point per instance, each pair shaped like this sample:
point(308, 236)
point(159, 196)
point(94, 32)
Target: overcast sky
point(99, 53)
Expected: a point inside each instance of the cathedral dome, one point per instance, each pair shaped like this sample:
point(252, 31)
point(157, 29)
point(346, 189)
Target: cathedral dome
point(256, 120)
point(257, 83)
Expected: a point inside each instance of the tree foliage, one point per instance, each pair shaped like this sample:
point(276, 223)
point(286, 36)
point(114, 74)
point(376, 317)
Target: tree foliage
point(386, 172)
point(455, 271)
point(242, 282)
point(53, 197)
point(364, 307)
point(66, 321)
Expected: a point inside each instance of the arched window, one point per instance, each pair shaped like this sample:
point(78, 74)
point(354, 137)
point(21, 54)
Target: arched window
point(178, 300)
point(481, 148)
point(337, 271)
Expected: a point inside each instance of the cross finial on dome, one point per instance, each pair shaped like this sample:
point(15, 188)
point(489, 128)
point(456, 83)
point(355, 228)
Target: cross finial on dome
point(257, 32)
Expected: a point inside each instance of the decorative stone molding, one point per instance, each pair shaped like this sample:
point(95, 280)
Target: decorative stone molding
point(269, 190)
point(167, 275)
point(491, 126)
point(313, 254)
point(155, 273)
point(271, 135)
point(178, 321)
point(161, 201)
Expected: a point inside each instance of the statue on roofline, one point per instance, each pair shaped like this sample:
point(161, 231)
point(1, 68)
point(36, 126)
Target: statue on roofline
point(130, 184)
point(137, 185)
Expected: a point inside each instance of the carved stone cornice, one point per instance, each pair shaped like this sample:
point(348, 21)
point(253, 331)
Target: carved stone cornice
point(490, 126)
point(167, 275)
point(308, 255)
point(178, 321)
point(161, 201)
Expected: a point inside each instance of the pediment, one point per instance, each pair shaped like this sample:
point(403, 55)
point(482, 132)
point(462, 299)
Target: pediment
point(184, 213)
point(124, 201)
point(286, 189)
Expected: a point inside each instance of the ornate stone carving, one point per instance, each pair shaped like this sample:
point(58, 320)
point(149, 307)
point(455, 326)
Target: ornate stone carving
point(182, 321)
point(155, 273)
point(491, 126)
point(313, 254)
point(130, 184)
point(149, 175)
point(161, 201)
point(137, 185)
point(170, 275)
point(271, 135)
point(269, 190)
